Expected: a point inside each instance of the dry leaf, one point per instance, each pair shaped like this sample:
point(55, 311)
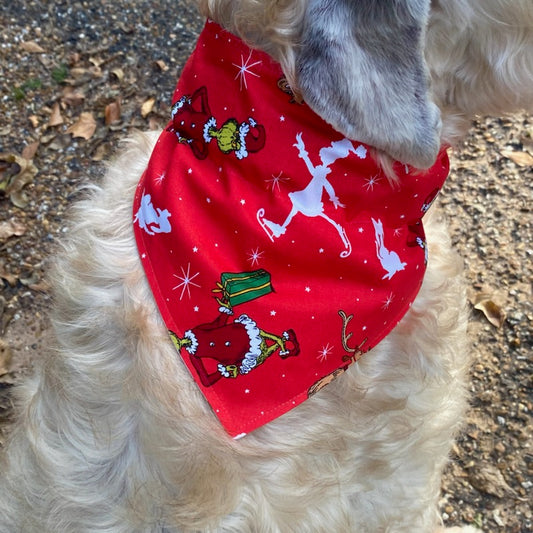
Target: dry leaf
point(32, 47)
point(118, 73)
point(34, 121)
point(84, 127)
point(162, 65)
point(15, 173)
point(147, 107)
point(11, 227)
point(5, 357)
point(493, 312)
point(112, 112)
point(55, 117)
point(30, 150)
point(101, 152)
point(72, 96)
point(522, 159)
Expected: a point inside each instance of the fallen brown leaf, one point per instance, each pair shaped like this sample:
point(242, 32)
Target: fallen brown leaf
point(84, 127)
point(34, 121)
point(522, 159)
point(15, 173)
point(5, 357)
point(162, 65)
point(118, 73)
point(72, 97)
point(112, 112)
point(11, 227)
point(147, 107)
point(30, 150)
point(32, 47)
point(492, 311)
point(55, 117)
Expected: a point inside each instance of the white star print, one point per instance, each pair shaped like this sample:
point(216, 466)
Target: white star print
point(276, 180)
point(254, 256)
point(195, 249)
point(244, 68)
point(186, 281)
point(370, 182)
point(388, 301)
point(161, 178)
point(323, 354)
point(243, 201)
point(273, 313)
point(282, 118)
point(308, 289)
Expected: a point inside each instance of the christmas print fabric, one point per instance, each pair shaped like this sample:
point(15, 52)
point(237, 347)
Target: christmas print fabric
point(276, 249)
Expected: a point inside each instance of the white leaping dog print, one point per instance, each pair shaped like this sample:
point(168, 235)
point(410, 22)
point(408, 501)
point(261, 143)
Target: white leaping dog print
point(308, 201)
point(390, 261)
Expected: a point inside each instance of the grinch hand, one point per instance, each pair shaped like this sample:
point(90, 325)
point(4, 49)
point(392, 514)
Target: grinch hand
point(235, 347)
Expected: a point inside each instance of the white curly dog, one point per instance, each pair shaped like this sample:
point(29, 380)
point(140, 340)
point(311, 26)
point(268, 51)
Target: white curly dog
point(114, 435)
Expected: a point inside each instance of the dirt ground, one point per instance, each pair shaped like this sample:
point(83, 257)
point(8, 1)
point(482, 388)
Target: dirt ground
point(78, 76)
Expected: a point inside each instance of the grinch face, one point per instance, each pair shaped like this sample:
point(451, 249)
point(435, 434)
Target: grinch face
point(228, 138)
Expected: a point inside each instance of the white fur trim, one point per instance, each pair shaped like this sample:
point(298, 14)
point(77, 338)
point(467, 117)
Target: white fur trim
point(211, 123)
point(194, 342)
point(178, 105)
point(250, 359)
point(242, 152)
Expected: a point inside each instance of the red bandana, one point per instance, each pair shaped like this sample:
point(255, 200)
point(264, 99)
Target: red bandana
point(276, 249)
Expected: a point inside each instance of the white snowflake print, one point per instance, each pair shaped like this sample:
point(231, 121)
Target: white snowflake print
point(276, 180)
point(388, 301)
point(370, 182)
point(324, 353)
point(160, 178)
point(254, 256)
point(244, 69)
point(186, 281)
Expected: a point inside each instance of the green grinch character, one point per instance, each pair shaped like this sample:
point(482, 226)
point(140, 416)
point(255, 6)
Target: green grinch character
point(242, 139)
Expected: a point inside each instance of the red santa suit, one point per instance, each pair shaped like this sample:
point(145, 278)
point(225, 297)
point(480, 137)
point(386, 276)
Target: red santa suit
point(253, 204)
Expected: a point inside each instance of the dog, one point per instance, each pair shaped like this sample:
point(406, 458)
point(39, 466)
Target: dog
point(113, 432)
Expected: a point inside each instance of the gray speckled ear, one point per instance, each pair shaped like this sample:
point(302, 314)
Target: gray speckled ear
point(361, 67)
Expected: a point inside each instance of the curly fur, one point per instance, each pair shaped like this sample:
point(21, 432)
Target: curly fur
point(114, 436)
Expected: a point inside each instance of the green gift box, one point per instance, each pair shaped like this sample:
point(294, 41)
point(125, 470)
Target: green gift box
point(238, 288)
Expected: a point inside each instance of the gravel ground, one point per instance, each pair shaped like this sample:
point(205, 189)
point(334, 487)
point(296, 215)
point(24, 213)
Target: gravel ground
point(78, 76)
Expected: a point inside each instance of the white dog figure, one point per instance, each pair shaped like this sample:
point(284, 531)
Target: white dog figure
point(114, 436)
point(390, 261)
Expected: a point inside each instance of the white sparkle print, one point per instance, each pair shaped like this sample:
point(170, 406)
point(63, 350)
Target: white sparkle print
point(388, 301)
point(370, 182)
point(244, 69)
point(254, 256)
point(276, 180)
point(160, 178)
point(186, 281)
point(324, 353)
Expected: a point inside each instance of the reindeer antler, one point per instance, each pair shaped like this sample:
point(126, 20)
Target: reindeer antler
point(357, 351)
point(346, 338)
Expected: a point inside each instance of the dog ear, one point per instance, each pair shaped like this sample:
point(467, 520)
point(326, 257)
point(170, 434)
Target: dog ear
point(361, 67)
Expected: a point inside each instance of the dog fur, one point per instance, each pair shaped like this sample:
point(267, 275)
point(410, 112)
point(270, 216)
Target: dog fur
point(114, 435)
